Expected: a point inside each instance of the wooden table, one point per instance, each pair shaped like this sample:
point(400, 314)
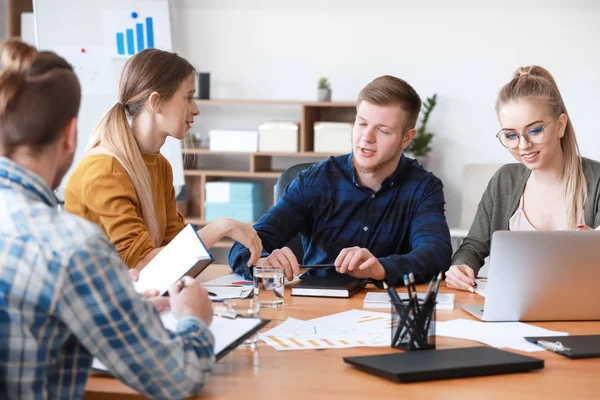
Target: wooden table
point(322, 374)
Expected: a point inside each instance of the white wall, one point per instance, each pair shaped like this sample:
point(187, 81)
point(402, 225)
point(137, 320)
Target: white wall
point(3, 19)
point(463, 50)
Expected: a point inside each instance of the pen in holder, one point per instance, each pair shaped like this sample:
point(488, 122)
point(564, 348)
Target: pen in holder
point(413, 320)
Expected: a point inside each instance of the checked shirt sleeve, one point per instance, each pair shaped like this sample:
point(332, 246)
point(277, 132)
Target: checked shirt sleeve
point(118, 326)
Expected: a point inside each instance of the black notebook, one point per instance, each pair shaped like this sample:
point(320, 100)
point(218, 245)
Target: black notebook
point(427, 365)
point(582, 346)
point(328, 286)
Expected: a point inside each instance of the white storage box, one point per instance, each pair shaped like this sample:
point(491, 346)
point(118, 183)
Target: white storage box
point(333, 137)
point(278, 137)
point(233, 140)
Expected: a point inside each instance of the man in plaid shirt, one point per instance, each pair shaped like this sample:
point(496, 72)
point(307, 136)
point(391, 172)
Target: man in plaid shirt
point(65, 294)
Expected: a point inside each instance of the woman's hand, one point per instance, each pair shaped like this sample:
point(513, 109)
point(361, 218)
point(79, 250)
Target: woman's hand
point(246, 235)
point(460, 277)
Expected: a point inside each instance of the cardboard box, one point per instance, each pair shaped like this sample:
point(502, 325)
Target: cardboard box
point(233, 192)
point(243, 212)
point(333, 137)
point(233, 140)
point(278, 137)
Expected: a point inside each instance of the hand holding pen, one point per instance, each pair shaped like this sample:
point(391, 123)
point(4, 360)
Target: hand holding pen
point(188, 298)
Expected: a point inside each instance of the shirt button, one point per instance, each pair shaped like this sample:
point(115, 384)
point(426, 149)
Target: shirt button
point(366, 228)
point(373, 196)
point(392, 184)
point(356, 184)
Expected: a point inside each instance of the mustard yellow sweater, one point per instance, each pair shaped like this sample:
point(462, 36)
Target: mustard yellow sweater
point(99, 190)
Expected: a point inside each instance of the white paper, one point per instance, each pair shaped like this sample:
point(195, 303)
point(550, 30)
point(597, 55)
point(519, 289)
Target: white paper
point(353, 328)
point(445, 301)
point(228, 292)
point(496, 334)
point(481, 287)
point(225, 331)
point(120, 20)
point(229, 280)
point(172, 262)
point(239, 280)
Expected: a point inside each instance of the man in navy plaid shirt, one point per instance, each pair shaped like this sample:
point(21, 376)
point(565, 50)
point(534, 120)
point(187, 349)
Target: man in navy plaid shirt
point(65, 294)
point(373, 213)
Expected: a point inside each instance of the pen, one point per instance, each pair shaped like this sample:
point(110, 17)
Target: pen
point(318, 266)
point(411, 278)
point(556, 347)
point(396, 302)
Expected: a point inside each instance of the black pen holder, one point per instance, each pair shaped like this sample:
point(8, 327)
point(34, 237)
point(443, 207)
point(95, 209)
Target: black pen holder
point(413, 326)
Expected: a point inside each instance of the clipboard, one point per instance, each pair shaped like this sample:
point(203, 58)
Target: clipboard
point(578, 346)
point(223, 329)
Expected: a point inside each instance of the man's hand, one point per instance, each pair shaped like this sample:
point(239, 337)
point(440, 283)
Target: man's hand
point(161, 303)
point(359, 263)
point(282, 258)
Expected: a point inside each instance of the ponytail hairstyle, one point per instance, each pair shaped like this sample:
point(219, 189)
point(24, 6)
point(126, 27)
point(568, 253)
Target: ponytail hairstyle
point(537, 84)
point(39, 96)
point(149, 71)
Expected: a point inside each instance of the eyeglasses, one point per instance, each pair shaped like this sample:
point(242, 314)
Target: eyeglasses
point(511, 139)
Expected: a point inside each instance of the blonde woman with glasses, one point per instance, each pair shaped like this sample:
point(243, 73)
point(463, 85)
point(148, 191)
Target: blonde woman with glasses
point(551, 188)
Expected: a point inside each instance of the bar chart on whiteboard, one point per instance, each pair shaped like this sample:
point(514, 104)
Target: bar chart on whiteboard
point(143, 25)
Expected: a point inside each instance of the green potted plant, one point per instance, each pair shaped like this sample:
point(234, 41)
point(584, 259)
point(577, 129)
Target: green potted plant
point(420, 146)
point(324, 90)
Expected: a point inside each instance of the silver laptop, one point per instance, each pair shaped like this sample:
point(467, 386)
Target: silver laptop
point(542, 276)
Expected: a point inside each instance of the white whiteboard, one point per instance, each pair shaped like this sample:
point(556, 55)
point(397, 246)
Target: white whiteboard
point(75, 30)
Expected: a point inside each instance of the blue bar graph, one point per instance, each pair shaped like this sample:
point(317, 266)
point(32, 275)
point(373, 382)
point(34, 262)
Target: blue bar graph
point(139, 29)
point(137, 39)
point(130, 46)
point(150, 32)
point(120, 43)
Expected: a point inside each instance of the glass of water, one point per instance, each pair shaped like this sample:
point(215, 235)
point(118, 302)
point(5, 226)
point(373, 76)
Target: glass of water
point(268, 286)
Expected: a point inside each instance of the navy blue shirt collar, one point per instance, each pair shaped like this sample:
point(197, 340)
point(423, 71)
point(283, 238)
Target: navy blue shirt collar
point(391, 180)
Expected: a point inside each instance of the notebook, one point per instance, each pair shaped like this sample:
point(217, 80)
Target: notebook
point(184, 255)
point(228, 332)
point(426, 365)
point(329, 286)
point(579, 346)
point(445, 301)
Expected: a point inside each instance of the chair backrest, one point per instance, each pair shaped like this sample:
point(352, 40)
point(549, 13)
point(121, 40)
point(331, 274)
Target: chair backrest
point(475, 180)
point(284, 179)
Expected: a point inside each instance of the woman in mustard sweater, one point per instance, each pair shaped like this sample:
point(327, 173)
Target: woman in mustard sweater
point(124, 184)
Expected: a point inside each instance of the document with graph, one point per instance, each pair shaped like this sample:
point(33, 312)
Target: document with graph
point(353, 328)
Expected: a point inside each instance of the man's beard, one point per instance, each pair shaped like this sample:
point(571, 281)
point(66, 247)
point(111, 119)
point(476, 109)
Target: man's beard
point(376, 167)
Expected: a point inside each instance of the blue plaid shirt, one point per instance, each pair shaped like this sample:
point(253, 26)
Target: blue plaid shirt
point(402, 224)
point(66, 296)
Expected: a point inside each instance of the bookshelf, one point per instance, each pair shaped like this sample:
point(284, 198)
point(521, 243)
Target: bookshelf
point(259, 164)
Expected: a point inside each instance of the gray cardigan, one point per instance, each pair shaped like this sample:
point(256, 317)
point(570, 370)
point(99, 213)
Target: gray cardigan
point(500, 202)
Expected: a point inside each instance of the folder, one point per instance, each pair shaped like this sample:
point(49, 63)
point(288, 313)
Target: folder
point(426, 365)
point(578, 346)
point(184, 255)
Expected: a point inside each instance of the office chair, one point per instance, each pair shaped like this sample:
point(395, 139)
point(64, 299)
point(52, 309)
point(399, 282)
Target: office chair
point(284, 179)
